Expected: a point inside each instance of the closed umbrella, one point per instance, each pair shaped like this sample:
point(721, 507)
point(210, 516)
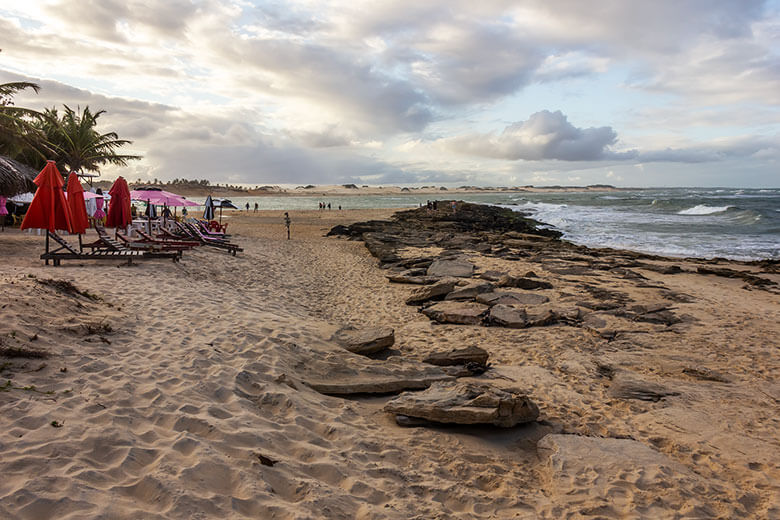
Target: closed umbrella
point(119, 212)
point(208, 214)
point(78, 210)
point(48, 210)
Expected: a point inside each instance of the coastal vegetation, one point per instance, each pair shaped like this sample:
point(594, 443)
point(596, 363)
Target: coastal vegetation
point(69, 137)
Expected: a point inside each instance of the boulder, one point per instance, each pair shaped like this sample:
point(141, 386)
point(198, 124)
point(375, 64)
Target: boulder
point(458, 268)
point(465, 403)
point(406, 277)
point(436, 291)
point(461, 356)
point(523, 283)
point(469, 291)
point(511, 298)
point(365, 341)
point(462, 313)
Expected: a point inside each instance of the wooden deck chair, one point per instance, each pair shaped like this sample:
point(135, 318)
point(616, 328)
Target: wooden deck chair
point(68, 252)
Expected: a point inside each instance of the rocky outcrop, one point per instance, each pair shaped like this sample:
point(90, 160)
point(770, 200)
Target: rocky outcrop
point(511, 298)
point(365, 341)
point(465, 403)
point(436, 291)
point(458, 268)
point(469, 291)
point(463, 313)
point(460, 356)
point(626, 385)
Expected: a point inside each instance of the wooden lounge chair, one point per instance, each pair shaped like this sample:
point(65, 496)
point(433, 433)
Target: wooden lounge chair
point(192, 231)
point(105, 242)
point(166, 240)
point(68, 252)
point(143, 245)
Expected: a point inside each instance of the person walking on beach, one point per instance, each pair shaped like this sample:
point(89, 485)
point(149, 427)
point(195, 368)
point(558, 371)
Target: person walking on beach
point(256, 206)
point(247, 207)
point(287, 223)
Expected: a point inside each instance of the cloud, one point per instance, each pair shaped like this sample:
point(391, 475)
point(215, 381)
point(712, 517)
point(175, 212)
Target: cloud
point(545, 135)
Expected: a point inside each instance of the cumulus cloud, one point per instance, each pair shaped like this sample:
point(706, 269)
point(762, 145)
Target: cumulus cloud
point(545, 135)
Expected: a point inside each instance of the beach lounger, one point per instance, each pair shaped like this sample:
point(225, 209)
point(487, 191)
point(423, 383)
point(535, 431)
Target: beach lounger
point(166, 240)
point(205, 228)
point(192, 231)
point(105, 242)
point(144, 245)
point(68, 252)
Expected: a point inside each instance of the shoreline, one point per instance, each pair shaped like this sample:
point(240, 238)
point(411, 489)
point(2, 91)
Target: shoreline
point(190, 387)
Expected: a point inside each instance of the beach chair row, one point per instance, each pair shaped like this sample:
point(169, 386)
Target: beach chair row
point(126, 249)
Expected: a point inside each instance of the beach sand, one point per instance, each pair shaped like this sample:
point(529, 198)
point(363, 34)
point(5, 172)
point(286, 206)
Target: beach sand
point(173, 390)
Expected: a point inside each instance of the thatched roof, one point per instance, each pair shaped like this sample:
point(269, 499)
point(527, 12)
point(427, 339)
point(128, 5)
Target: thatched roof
point(15, 177)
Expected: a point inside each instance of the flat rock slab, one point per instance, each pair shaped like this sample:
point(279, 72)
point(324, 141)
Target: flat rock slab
point(511, 298)
point(465, 403)
point(460, 356)
point(434, 291)
point(365, 341)
point(518, 318)
point(461, 313)
point(458, 268)
point(580, 470)
point(469, 291)
point(626, 385)
point(523, 283)
point(331, 370)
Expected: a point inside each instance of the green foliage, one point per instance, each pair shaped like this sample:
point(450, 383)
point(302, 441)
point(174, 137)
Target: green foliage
point(69, 138)
point(78, 146)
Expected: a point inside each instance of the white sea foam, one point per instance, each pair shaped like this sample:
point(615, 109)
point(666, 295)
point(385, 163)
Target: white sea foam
point(703, 209)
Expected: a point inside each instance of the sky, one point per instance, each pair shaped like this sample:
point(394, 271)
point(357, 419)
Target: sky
point(406, 92)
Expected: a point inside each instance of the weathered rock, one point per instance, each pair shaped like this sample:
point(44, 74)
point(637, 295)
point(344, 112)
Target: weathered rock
point(519, 318)
point(508, 316)
point(365, 341)
point(406, 277)
point(492, 276)
point(462, 313)
point(706, 374)
point(523, 283)
point(465, 403)
point(461, 356)
point(458, 268)
point(626, 385)
point(511, 298)
point(436, 291)
point(329, 369)
point(469, 291)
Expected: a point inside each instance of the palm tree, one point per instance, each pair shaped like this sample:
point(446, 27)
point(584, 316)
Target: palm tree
point(78, 146)
point(20, 138)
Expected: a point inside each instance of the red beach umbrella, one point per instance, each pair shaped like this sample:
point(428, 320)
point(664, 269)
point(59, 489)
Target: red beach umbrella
point(48, 209)
point(119, 213)
point(78, 210)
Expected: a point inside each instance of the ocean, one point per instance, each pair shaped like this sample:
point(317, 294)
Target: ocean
point(739, 224)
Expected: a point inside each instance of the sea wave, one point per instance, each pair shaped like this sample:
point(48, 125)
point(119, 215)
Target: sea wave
point(703, 209)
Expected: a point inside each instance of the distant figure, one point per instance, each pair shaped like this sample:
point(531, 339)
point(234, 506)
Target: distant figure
point(247, 207)
point(339, 207)
point(184, 212)
point(435, 205)
point(256, 206)
point(133, 211)
point(287, 223)
point(454, 206)
point(167, 212)
point(328, 205)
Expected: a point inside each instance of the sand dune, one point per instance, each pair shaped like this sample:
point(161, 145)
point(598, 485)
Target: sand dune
point(175, 390)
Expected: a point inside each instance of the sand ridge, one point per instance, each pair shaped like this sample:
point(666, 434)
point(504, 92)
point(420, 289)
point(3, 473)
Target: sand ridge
point(176, 403)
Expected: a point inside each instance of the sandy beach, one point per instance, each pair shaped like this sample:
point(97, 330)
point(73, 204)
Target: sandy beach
point(182, 390)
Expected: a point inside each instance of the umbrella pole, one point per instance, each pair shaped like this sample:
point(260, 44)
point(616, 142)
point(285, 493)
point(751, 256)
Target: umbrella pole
point(47, 247)
point(220, 214)
point(81, 247)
